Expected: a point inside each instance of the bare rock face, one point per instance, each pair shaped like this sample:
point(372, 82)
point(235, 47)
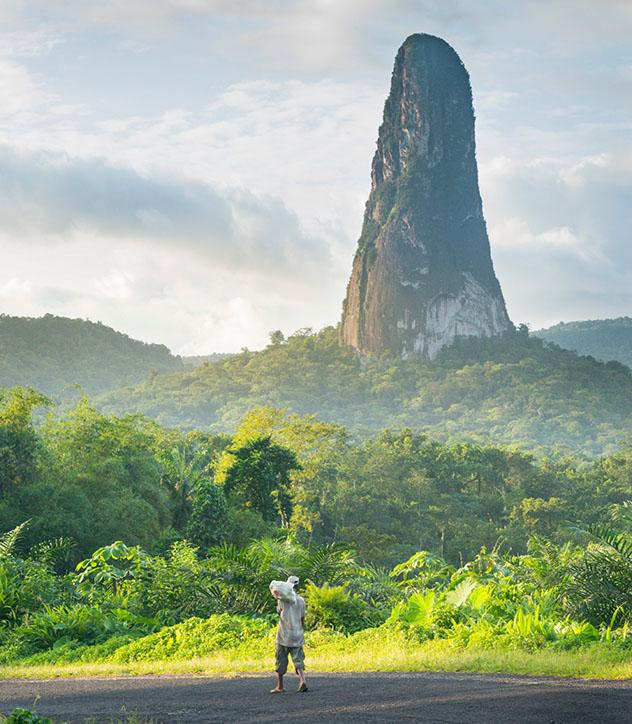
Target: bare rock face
point(423, 272)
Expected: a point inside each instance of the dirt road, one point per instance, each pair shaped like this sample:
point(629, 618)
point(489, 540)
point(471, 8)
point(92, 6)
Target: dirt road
point(418, 697)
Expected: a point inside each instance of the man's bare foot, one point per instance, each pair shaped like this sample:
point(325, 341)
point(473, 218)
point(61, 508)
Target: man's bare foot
point(303, 688)
point(277, 691)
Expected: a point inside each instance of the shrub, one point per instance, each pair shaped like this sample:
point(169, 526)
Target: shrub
point(80, 623)
point(24, 716)
point(177, 586)
point(197, 637)
point(332, 607)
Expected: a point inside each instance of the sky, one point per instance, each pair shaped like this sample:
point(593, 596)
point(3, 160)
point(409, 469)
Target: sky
point(194, 172)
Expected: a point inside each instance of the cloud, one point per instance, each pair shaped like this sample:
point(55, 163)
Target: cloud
point(559, 229)
point(160, 293)
point(318, 36)
point(52, 194)
point(15, 288)
point(21, 92)
point(168, 260)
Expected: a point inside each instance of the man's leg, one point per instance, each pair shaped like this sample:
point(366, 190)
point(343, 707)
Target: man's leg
point(280, 654)
point(301, 679)
point(298, 659)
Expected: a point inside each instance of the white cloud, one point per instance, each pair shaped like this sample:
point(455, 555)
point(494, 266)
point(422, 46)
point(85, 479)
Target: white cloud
point(53, 194)
point(15, 288)
point(116, 284)
point(21, 92)
point(559, 231)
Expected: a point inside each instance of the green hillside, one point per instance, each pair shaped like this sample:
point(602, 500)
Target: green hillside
point(50, 352)
point(604, 339)
point(512, 390)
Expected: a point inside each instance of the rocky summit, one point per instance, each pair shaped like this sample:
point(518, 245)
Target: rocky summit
point(423, 273)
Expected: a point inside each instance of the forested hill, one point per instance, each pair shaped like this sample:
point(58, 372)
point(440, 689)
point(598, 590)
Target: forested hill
point(604, 339)
point(50, 352)
point(511, 390)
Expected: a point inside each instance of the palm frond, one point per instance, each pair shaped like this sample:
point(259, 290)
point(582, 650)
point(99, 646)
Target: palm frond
point(53, 551)
point(9, 539)
point(618, 540)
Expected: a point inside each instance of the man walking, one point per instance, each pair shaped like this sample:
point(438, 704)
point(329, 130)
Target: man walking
point(290, 638)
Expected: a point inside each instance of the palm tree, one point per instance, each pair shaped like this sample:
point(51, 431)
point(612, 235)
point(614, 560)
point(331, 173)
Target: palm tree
point(245, 574)
point(599, 586)
point(182, 470)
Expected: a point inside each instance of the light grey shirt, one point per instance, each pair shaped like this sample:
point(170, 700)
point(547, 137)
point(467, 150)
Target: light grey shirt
point(291, 615)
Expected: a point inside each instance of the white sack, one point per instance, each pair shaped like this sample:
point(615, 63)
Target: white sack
point(283, 590)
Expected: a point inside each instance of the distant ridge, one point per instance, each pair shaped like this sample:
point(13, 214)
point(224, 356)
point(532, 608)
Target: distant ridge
point(195, 360)
point(603, 339)
point(50, 353)
point(513, 389)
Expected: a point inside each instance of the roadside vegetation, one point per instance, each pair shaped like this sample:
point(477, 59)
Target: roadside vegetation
point(126, 611)
point(129, 547)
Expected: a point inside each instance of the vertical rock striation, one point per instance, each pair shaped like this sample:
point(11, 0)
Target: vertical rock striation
point(423, 272)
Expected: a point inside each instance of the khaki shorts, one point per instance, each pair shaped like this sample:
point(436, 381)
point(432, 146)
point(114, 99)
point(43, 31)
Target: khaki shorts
point(281, 653)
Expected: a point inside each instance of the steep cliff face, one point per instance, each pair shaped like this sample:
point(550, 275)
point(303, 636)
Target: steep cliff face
point(423, 272)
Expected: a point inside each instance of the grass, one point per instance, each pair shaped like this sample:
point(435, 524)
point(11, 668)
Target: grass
point(367, 653)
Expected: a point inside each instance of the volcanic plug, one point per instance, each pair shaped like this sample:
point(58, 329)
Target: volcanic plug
point(423, 273)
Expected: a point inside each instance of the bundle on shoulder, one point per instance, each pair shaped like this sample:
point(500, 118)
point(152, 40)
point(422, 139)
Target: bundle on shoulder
point(283, 591)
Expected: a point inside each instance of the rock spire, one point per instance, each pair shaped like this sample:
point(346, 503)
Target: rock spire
point(423, 272)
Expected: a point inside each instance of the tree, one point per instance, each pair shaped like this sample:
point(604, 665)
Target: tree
point(277, 338)
point(18, 439)
point(258, 473)
point(208, 524)
point(599, 586)
point(112, 565)
point(183, 469)
point(101, 481)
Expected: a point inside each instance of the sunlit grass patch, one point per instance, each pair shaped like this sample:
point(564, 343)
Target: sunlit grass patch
point(368, 651)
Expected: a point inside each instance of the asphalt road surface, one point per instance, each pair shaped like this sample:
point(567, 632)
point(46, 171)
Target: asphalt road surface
point(418, 697)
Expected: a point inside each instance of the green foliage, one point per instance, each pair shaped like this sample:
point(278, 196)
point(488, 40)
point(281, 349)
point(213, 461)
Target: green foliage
point(510, 390)
point(183, 469)
point(79, 622)
point(529, 629)
point(245, 573)
point(495, 600)
point(27, 584)
point(418, 610)
point(209, 520)
point(604, 339)
point(9, 539)
point(111, 566)
point(599, 584)
point(97, 479)
point(196, 637)
point(25, 716)
point(50, 353)
point(258, 474)
point(208, 524)
point(333, 607)
point(177, 586)
point(18, 439)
